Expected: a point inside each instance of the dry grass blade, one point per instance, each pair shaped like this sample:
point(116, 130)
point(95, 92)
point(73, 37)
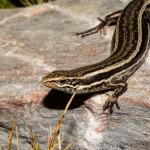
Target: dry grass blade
point(17, 138)
point(33, 139)
point(11, 134)
point(59, 142)
point(57, 145)
point(58, 125)
point(34, 143)
point(68, 147)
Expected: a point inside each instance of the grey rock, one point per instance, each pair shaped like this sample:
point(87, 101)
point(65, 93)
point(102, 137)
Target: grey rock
point(39, 39)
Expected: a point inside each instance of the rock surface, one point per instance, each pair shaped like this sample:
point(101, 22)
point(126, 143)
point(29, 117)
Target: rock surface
point(40, 39)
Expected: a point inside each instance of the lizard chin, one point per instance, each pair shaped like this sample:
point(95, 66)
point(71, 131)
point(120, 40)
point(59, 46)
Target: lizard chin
point(55, 86)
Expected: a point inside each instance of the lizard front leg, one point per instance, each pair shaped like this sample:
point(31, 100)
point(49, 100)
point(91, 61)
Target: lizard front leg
point(109, 20)
point(120, 88)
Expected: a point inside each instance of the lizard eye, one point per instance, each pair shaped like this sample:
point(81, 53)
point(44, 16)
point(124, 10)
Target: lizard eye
point(61, 81)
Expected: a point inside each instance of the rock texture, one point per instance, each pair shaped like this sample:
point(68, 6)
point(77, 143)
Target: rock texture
point(39, 39)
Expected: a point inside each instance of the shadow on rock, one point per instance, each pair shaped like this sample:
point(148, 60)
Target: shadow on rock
point(58, 100)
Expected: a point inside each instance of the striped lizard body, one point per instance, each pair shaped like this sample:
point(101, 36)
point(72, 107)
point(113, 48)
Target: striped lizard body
point(128, 52)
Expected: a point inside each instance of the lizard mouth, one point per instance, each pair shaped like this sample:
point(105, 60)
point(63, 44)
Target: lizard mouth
point(49, 84)
point(46, 82)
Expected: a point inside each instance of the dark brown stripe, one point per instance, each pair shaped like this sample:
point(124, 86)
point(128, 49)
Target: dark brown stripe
point(124, 53)
point(142, 49)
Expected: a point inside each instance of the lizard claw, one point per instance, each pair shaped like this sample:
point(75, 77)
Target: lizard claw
point(110, 103)
point(100, 27)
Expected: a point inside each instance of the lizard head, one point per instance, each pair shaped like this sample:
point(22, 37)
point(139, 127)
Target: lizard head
point(61, 80)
